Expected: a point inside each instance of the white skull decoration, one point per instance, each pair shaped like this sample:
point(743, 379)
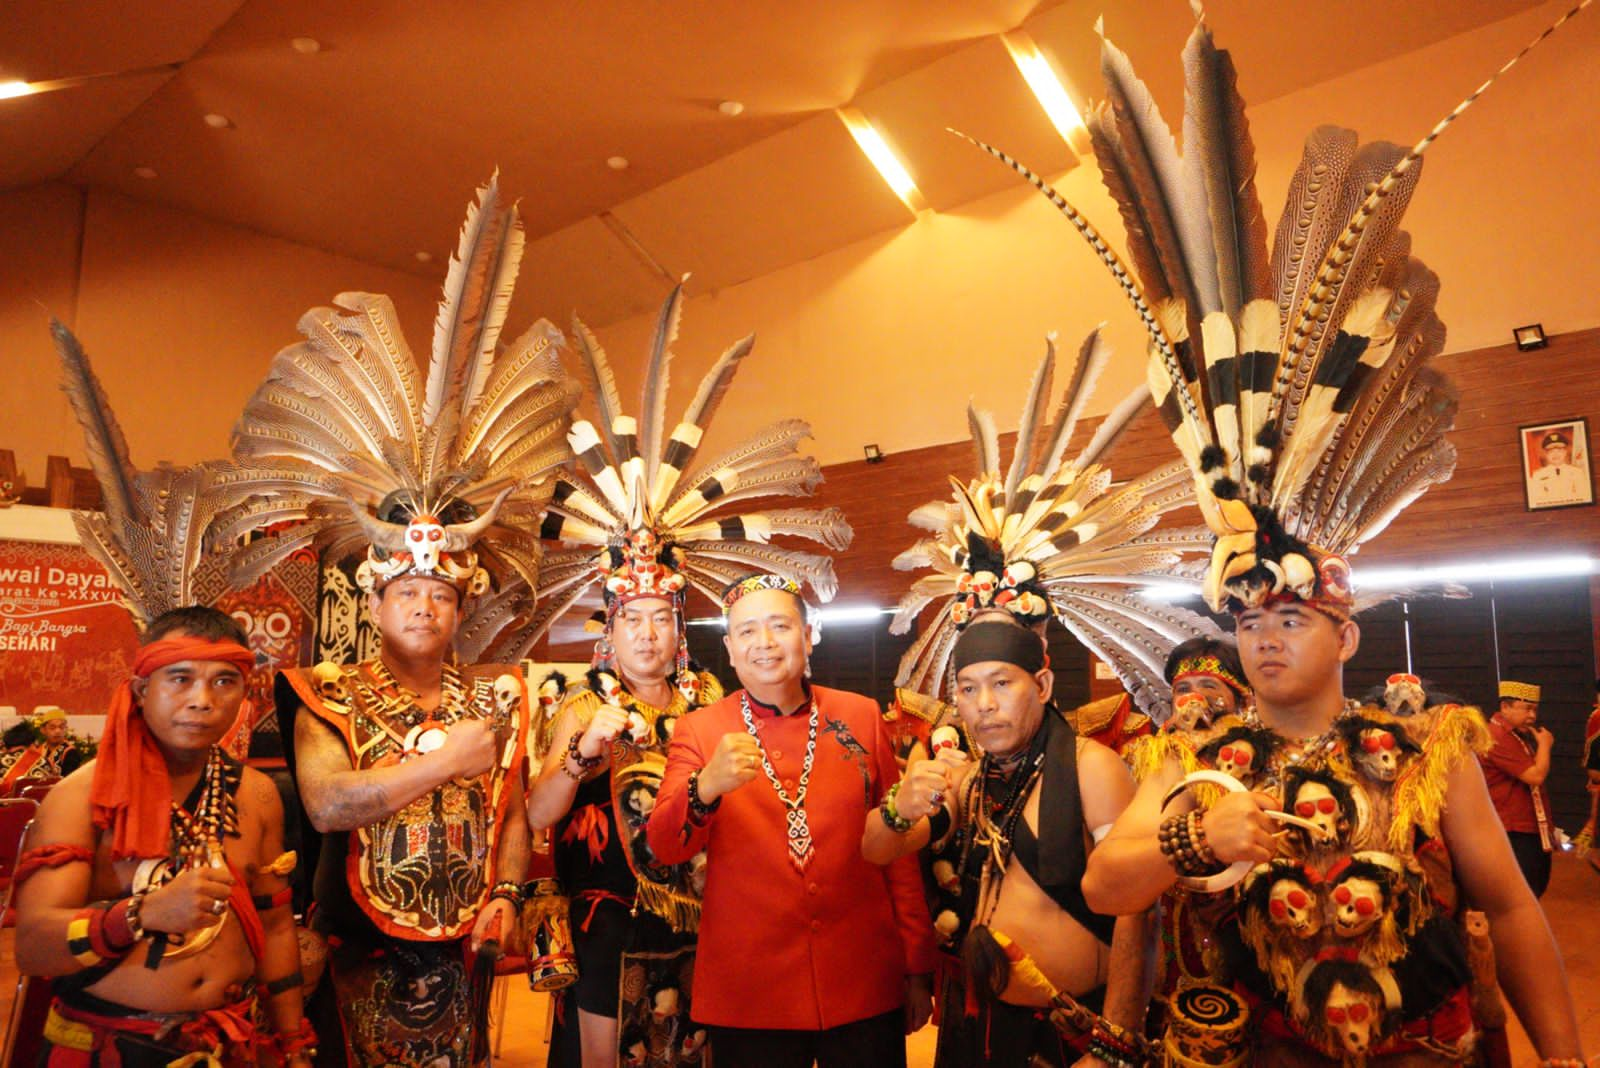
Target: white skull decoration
point(1379, 755)
point(983, 584)
point(330, 682)
point(507, 695)
point(1238, 759)
point(1315, 802)
point(1351, 1016)
point(1190, 712)
point(1294, 907)
point(424, 541)
point(1358, 906)
point(1403, 695)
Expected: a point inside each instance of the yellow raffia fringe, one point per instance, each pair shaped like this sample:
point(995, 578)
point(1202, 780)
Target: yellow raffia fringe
point(1150, 754)
point(1419, 795)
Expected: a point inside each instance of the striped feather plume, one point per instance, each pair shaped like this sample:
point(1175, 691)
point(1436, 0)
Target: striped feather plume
point(342, 425)
point(632, 477)
point(1047, 529)
point(153, 535)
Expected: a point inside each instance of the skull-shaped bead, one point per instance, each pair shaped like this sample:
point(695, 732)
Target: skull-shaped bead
point(1351, 1017)
point(1379, 754)
point(424, 541)
point(1358, 906)
point(1294, 908)
point(1315, 802)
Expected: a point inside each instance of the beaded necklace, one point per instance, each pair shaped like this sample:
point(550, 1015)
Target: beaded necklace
point(197, 835)
point(994, 826)
point(801, 847)
point(1303, 751)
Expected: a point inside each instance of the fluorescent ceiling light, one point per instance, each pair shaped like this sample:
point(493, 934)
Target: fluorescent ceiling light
point(13, 89)
point(876, 149)
point(1047, 89)
point(1509, 569)
point(843, 613)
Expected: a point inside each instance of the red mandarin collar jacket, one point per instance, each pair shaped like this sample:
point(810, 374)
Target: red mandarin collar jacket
point(780, 948)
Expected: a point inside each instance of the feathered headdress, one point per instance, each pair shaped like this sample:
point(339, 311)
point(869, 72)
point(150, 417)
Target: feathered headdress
point(427, 476)
point(1052, 536)
point(153, 532)
point(649, 520)
point(1295, 384)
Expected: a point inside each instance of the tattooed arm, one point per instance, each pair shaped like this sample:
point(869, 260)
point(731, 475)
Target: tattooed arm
point(339, 798)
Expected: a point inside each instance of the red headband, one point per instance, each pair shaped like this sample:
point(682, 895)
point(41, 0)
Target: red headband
point(132, 792)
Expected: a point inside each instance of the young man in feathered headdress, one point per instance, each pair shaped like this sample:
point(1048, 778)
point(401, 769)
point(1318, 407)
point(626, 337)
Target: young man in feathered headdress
point(808, 953)
point(1296, 387)
point(652, 524)
point(596, 789)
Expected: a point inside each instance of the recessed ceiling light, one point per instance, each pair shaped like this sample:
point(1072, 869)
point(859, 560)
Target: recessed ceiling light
point(146, 173)
point(306, 46)
point(423, 257)
point(217, 121)
point(618, 163)
point(731, 108)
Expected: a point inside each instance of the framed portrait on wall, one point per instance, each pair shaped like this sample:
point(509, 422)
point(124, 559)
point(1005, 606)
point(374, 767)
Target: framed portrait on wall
point(1555, 464)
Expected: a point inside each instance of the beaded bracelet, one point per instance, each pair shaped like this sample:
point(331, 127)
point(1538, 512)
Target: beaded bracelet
point(585, 764)
point(699, 811)
point(891, 814)
point(1113, 1044)
point(1183, 842)
point(507, 890)
point(1562, 1062)
point(1111, 1055)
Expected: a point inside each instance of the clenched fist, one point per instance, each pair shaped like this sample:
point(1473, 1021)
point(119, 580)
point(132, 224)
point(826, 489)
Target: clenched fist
point(735, 761)
point(609, 721)
point(927, 784)
point(1238, 828)
point(470, 748)
point(189, 902)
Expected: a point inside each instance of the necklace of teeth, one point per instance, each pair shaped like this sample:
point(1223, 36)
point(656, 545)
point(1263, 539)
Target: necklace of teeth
point(1304, 749)
point(801, 847)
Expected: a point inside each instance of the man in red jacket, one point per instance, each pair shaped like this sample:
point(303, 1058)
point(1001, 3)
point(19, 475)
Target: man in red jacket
point(808, 953)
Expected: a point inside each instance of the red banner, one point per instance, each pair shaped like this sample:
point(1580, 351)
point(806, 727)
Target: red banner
point(65, 638)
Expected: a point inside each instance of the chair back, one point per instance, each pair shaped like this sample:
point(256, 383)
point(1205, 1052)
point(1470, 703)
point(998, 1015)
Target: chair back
point(15, 815)
point(35, 789)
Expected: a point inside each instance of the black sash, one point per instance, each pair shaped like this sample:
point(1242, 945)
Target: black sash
point(1057, 861)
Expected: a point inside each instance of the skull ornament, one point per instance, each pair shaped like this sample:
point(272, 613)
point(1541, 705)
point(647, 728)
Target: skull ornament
point(1358, 906)
point(1403, 694)
point(1315, 802)
point(1379, 755)
point(1238, 759)
point(983, 584)
point(1294, 908)
point(329, 679)
point(424, 541)
point(1350, 1016)
point(507, 696)
point(1189, 713)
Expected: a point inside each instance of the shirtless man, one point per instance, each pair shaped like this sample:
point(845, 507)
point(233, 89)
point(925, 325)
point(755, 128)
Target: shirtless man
point(1025, 816)
point(150, 968)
